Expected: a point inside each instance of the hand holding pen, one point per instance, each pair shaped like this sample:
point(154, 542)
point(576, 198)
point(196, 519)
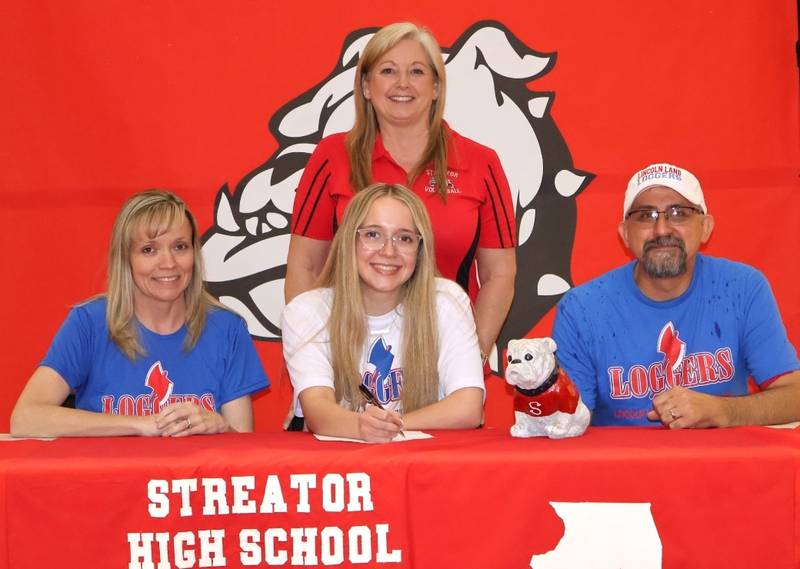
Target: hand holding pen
point(389, 418)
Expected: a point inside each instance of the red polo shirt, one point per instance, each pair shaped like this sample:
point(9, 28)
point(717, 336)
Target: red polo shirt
point(478, 212)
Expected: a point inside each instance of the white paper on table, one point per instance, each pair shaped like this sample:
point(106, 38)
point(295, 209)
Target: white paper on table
point(793, 425)
point(409, 436)
point(6, 437)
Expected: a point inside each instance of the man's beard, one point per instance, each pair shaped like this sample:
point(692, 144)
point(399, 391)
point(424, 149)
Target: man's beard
point(663, 265)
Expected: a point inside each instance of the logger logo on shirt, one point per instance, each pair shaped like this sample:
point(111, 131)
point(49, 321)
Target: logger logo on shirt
point(384, 381)
point(161, 395)
point(677, 368)
point(160, 383)
point(672, 347)
point(489, 70)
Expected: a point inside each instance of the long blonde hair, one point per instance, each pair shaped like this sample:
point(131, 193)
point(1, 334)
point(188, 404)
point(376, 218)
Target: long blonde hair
point(347, 327)
point(360, 140)
point(154, 211)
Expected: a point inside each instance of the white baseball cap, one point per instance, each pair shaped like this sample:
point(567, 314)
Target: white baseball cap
point(669, 176)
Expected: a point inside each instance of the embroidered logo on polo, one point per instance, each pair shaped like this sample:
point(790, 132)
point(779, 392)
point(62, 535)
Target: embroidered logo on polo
point(675, 369)
point(489, 100)
point(430, 186)
point(161, 386)
point(384, 382)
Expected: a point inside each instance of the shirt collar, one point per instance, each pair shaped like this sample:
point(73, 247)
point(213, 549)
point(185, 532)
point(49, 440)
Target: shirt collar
point(454, 150)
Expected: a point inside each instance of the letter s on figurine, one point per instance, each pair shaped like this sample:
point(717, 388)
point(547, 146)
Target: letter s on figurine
point(546, 402)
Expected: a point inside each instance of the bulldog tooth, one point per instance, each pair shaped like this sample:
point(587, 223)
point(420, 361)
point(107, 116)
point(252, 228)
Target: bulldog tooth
point(568, 183)
point(277, 220)
point(224, 218)
point(297, 149)
point(256, 194)
point(538, 106)
point(526, 226)
point(551, 285)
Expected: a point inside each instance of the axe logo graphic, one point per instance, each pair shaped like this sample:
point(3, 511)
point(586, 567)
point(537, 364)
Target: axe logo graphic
point(671, 346)
point(488, 100)
point(160, 383)
point(384, 382)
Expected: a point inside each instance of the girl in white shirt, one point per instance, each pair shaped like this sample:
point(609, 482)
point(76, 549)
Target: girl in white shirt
point(381, 318)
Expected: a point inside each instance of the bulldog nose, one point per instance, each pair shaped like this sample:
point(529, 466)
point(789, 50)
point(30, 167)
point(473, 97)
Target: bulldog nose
point(516, 361)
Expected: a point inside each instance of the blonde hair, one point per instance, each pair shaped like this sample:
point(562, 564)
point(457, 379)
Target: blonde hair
point(347, 327)
point(154, 212)
point(360, 140)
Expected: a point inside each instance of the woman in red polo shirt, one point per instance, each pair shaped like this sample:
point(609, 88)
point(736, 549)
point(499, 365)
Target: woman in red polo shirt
point(400, 137)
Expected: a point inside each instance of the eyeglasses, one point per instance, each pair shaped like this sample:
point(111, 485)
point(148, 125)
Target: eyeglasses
point(375, 239)
point(674, 215)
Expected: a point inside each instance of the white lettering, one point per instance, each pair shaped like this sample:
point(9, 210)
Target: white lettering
point(242, 504)
point(359, 541)
point(270, 537)
point(331, 546)
point(215, 499)
point(184, 553)
point(159, 502)
point(273, 501)
point(304, 546)
point(185, 487)
point(333, 493)
point(302, 482)
point(382, 553)
point(141, 552)
point(212, 553)
point(360, 492)
point(249, 551)
point(162, 538)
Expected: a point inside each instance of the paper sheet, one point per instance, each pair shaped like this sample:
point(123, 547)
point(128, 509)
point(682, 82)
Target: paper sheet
point(409, 436)
point(793, 425)
point(6, 437)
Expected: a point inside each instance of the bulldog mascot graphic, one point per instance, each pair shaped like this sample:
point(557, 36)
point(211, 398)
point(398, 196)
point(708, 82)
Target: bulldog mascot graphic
point(488, 71)
point(546, 402)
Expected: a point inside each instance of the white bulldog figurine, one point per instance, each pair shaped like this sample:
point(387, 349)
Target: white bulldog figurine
point(546, 402)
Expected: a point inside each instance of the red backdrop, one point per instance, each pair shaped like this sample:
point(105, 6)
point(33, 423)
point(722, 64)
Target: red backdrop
point(100, 100)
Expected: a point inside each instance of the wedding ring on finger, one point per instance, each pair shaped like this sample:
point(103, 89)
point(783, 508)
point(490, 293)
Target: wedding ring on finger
point(188, 423)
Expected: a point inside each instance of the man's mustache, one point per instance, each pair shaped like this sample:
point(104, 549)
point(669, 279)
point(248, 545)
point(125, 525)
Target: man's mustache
point(665, 241)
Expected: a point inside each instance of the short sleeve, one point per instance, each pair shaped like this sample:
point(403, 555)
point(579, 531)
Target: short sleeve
point(70, 353)
point(572, 351)
point(497, 221)
point(244, 373)
point(459, 363)
point(306, 344)
point(767, 351)
point(314, 209)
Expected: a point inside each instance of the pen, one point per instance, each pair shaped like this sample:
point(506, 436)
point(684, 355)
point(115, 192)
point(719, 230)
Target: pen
point(372, 400)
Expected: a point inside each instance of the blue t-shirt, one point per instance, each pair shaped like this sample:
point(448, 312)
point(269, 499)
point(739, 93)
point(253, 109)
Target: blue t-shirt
point(622, 348)
point(222, 366)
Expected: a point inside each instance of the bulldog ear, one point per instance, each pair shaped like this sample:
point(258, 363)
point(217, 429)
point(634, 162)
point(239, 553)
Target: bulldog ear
point(492, 44)
point(551, 344)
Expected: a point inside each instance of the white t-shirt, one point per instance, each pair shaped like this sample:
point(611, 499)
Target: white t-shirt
point(306, 346)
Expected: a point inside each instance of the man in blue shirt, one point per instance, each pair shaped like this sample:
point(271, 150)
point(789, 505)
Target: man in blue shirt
point(675, 335)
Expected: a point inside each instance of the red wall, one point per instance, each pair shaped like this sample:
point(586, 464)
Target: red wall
point(100, 100)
